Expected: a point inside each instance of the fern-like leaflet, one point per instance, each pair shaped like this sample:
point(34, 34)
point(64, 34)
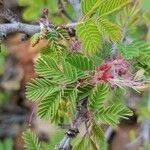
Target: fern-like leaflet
point(109, 30)
point(110, 6)
point(98, 96)
point(113, 113)
point(88, 34)
point(31, 141)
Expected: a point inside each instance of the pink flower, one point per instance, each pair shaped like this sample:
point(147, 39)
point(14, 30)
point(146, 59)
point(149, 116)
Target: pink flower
point(116, 73)
point(111, 69)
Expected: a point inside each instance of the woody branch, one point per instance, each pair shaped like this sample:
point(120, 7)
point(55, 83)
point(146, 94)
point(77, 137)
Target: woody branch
point(16, 26)
point(20, 27)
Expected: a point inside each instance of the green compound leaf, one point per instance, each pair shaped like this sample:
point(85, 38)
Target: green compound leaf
point(31, 141)
point(135, 49)
point(71, 72)
point(144, 48)
point(81, 62)
point(40, 88)
point(92, 144)
point(62, 33)
point(113, 113)
point(53, 40)
point(84, 91)
point(89, 36)
point(110, 6)
point(82, 144)
point(129, 51)
point(109, 30)
point(35, 38)
point(98, 96)
point(96, 132)
point(49, 106)
point(87, 5)
point(47, 67)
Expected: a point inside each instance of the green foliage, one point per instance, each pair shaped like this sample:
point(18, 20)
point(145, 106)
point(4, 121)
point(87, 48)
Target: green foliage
point(112, 113)
point(106, 114)
point(136, 49)
point(48, 106)
point(91, 32)
point(31, 141)
point(144, 113)
point(92, 144)
point(47, 67)
point(109, 30)
point(97, 133)
point(32, 10)
point(58, 82)
point(54, 36)
point(144, 57)
point(53, 42)
point(62, 33)
point(110, 6)
point(88, 34)
point(81, 62)
point(82, 144)
point(98, 96)
point(4, 97)
point(47, 51)
point(71, 72)
point(144, 5)
point(65, 77)
point(40, 88)
point(35, 38)
point(129, 51)
point(54, 73)
point(94, 140)
point(84, 91)
point(3, 54)
point(6, 144)
point(87, 5)
point(55, 138)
